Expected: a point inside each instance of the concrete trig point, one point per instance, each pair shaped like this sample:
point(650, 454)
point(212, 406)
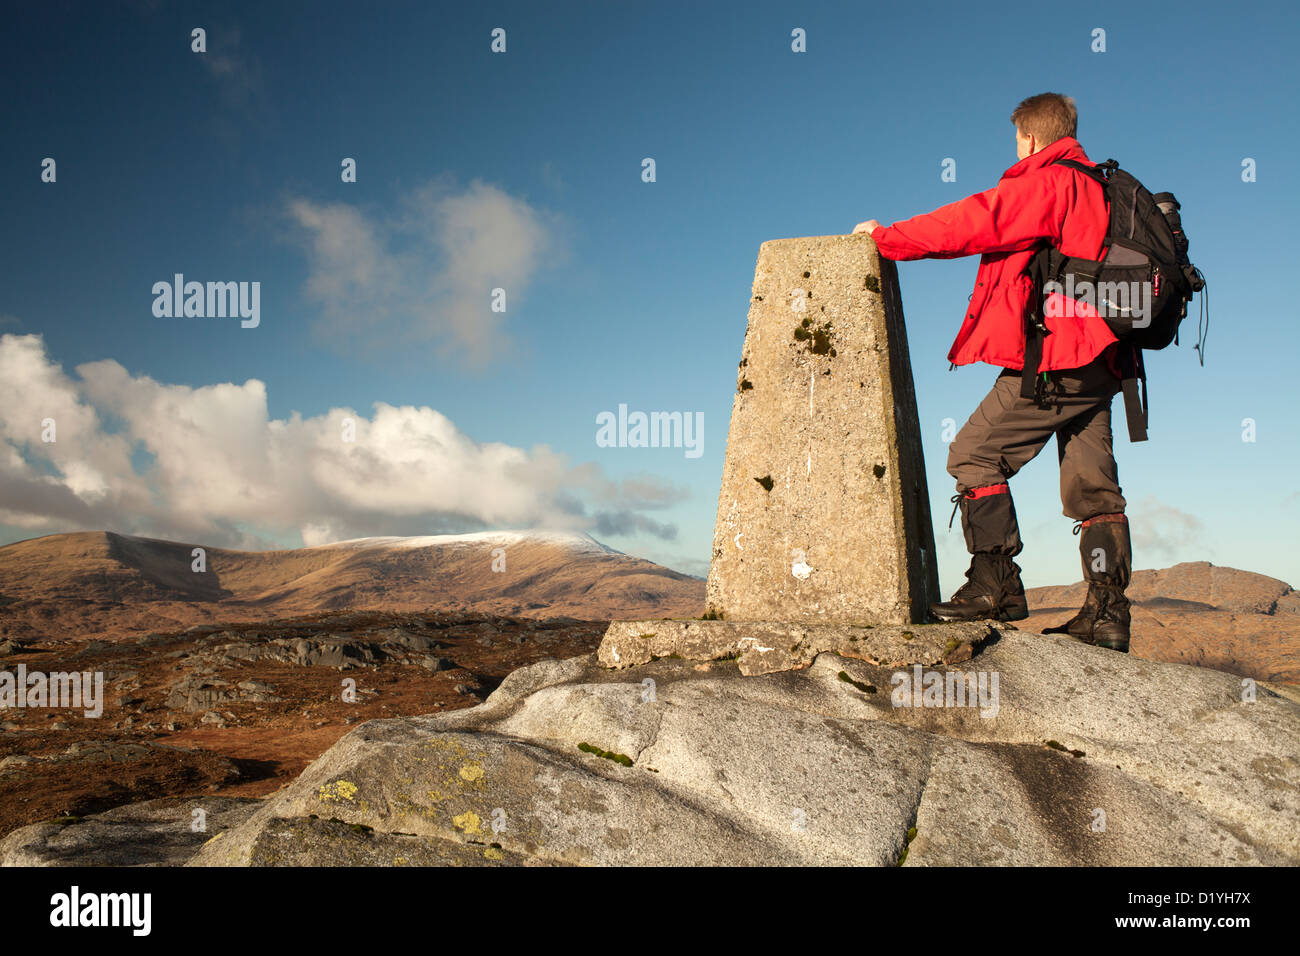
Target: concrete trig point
point(823, 539)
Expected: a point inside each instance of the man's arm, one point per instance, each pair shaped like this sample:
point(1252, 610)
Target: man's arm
point(1012, 216)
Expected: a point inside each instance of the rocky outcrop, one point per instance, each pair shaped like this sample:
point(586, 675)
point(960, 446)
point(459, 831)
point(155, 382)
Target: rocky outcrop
point(163, 832)
point(1068, 755)
point(194, 692)
point(342, 651)
point(182, 716)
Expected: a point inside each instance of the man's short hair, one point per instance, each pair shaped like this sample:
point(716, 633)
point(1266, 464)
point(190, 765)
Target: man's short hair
point(1047, 117)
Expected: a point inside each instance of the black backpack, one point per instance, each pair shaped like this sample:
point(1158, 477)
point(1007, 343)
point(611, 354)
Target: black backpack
point(1141, 286)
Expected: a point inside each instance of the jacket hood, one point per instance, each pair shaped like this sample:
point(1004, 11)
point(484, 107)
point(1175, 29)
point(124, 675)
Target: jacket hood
point(1067, 147)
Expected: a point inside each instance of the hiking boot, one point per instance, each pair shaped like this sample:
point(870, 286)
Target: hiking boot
point(992, 592)
point(1107, 556)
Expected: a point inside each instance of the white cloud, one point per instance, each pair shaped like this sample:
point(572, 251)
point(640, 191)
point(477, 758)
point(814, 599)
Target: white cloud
point(224, 473)
point(426, 274)
point(1164, 530)
point(238, 74)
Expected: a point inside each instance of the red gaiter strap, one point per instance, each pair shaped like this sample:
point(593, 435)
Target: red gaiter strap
point(984, 492)
point(1117, 518)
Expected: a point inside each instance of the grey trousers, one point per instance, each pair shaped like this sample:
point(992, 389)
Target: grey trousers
point(1006, 432)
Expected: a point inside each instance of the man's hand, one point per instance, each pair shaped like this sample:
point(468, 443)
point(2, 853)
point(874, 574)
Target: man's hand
point(868, 227)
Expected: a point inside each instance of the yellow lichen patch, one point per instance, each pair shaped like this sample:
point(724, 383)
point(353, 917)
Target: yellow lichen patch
point(471, 772)
point(468, 821)
point(440, 743)
point(492, 853)
point(399, 861)
point(338, 790)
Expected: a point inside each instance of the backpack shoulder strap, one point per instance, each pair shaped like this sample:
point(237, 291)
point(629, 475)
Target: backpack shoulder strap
point(1100, 172)
point(1035, 327)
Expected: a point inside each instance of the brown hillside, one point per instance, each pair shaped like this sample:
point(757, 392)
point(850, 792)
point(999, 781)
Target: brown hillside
point(102, 584)
point(1196, 613)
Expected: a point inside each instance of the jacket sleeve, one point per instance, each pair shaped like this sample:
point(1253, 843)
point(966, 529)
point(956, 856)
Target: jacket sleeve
point(1011, 217)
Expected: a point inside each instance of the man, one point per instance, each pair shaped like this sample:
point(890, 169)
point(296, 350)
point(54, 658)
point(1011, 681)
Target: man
point(1034, 202)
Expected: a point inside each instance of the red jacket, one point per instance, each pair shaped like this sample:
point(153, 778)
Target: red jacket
point(1033, 200)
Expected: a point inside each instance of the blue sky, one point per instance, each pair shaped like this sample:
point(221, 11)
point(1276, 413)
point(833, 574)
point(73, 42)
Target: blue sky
point(522, 170)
